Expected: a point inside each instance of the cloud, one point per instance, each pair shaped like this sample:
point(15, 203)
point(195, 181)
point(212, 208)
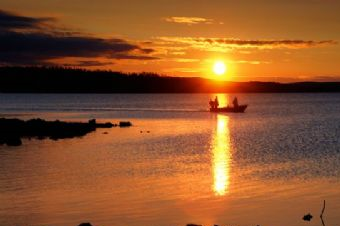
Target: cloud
point(88, 63)
point(40, 45)
point(182, 69)
point(225, 44)
point(189, 20)
point(271, 43)
point(253, 62)
point(35, 48)
point(186, 60)
point(10, 21)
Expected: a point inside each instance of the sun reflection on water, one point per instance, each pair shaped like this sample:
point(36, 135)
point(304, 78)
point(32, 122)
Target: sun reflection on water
point(221, 152)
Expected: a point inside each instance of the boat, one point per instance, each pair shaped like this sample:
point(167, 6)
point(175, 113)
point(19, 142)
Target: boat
point(238, 109)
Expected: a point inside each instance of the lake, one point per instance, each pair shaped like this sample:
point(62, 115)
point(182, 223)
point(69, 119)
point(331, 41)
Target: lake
point(178, 164)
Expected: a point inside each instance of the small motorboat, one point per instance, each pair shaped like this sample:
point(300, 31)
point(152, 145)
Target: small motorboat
point(236, 108)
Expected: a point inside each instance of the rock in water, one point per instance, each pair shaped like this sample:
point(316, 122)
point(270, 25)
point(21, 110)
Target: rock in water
point(12, 130)
point(13, 141)
point(85, 224)
point(307, 217)
point(125, 124)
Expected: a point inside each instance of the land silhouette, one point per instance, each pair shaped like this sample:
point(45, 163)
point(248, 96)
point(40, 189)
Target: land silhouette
point(12, 130)
point(73, 80)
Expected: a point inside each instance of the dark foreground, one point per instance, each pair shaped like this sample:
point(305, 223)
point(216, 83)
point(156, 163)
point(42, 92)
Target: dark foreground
point(12, 130)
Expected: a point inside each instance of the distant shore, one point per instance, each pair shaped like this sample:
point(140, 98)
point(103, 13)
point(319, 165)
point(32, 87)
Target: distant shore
point(70, 80)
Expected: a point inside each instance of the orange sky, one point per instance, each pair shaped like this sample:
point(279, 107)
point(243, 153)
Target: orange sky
point(266, 40)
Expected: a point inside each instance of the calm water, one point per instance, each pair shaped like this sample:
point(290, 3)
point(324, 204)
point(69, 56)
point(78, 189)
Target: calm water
point(269, 166)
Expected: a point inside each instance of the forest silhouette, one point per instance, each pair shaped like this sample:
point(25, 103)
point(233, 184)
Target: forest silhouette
point(73, 80)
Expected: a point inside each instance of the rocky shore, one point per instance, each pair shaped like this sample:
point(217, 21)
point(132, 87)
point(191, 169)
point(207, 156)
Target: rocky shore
point(13, 130)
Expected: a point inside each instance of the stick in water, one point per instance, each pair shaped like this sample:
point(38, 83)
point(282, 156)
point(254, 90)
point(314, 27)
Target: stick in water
point(323, 210)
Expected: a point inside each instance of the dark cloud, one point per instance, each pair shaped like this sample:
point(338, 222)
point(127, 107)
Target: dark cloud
point(27, 46)
point(88, 63)
point(147, 50)
point(12, 21)
point(220, 44)
point(239, 42)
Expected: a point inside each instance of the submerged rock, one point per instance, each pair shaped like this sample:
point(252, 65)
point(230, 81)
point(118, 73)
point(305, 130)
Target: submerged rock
point(85, 224)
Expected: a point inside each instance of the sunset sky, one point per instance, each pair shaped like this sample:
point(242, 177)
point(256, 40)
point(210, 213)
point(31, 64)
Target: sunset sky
point(263, 40)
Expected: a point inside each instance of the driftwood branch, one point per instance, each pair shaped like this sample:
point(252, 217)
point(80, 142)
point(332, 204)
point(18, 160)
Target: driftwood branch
point(322, 211)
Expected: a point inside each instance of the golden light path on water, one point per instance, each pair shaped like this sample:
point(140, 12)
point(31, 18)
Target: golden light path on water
point(221, 152)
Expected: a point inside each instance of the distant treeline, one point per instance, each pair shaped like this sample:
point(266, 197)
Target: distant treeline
point(69, 80)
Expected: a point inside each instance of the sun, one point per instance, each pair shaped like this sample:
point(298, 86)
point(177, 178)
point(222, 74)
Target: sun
point(219, 68)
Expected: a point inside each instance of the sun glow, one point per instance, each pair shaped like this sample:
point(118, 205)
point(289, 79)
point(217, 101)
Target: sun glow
point(219, 68)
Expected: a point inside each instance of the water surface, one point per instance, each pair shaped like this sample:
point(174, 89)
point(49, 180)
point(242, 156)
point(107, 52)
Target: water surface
point(178, 164)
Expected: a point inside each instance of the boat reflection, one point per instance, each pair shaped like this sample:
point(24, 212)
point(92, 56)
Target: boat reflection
point(221, 156)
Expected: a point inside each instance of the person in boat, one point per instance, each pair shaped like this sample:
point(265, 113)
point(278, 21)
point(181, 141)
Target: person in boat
point(211, 103)
point(235, 103)
point(214, 103)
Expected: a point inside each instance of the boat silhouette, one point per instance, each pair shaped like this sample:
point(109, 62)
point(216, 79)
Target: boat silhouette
point(236, 108)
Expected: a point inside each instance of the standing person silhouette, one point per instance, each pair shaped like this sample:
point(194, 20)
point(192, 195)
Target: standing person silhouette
point(216, 102)
point(235, 102)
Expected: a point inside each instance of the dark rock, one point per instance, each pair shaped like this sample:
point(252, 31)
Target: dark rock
point(13, 141)
point(104, 125)
point(307, 217)
point(92, 121)
point(125, 124)
point(12, 130)
point(194, 225)
point(85, 224)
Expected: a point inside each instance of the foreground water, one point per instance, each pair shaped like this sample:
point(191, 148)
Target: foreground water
point(178, 164)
